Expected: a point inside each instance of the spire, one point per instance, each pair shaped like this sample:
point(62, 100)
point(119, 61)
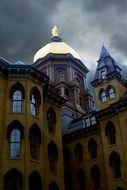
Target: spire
point(106, 67)
point(104, 53)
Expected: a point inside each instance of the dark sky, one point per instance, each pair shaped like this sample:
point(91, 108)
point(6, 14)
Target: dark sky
point(83, 24)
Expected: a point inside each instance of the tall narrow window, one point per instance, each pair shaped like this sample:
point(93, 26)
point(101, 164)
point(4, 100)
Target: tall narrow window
point(13, 180)
point(103, 73)
point(60, 74)
point(35, 101)
point(35, 181)
point(14, 136)
point(35, 141)
point(15, 143)
point(68, 181)
point(33, 105)
point(110, 132)
point(95, 176)
point(17, 94)
point(115, 162)
point(79, 152)
point(111, 93)
point(51, 118)
point(66, 154)
point(103, 97)
point(17, 101)
point(53, 186)
point(92, 146)
point(53, 156)
point(81, 179)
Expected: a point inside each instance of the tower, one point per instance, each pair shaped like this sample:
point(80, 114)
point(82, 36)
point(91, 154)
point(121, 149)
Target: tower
point(67, 75)
point(109, 83)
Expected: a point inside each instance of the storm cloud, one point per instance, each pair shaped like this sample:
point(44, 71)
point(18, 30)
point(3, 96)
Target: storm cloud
point(24, 27)
point(83, 24)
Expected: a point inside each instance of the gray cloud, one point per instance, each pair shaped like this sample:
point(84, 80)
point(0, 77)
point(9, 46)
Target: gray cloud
point(24, 27)
point(101, 5)
point(84, 25)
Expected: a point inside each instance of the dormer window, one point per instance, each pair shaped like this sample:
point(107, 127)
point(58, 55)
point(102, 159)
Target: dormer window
point(93, 120)
point(118, 70)
point(88, 122)
point(103, 73)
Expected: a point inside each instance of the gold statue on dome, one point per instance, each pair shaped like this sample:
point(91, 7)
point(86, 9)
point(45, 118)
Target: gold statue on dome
point(54, 31)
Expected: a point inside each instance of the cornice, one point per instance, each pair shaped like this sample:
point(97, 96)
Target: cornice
point(53, 97)
point(14, 70)
point(60, 57)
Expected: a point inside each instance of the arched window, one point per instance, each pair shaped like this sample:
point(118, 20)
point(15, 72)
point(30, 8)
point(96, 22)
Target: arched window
point(53, 186)
point(14, 136)
point(53, 156)
point(17, 101)
point(35, 141)
point(79, 152)
point(111, 92)
point(68, 181)
point(66, 155)
point(95, 176)
point(15, 143)
point(35, 101)
point(110, 132)
point(13, 180)
point(115, 162)
point(81, 179)
point(119, 188)
point(92, 147)
point(33, 105)
point(35, 181)
point(17, 94)
point(60, 72)
point(51, 118)
point(103, 97)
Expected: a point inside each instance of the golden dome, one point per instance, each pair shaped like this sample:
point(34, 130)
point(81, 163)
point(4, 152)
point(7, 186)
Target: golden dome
point(55, 47)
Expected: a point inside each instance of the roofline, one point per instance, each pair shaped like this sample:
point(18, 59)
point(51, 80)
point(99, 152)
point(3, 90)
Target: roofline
point(66, 56)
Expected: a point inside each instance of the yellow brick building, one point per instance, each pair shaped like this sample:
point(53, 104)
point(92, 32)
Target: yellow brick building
point(51, 135)
point(30, 130)
point(95, 150)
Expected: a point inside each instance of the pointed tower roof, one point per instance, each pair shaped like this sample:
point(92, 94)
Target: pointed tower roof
point(104, 53)
point(107, 65)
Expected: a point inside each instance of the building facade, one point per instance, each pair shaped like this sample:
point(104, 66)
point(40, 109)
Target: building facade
point(95, 146)
point(51, 136)
point(30, 132)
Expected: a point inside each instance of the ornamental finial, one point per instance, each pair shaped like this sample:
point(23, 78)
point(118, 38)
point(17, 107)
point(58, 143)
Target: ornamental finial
point(54, 31)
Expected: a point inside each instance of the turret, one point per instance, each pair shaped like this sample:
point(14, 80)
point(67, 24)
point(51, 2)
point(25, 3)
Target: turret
point(109, 83)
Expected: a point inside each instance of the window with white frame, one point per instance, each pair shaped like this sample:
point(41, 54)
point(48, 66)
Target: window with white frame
point(17, 101)
point(111, 93)
point(15, 143)
point(103, 73)
point(93, 120)
point(103, 96)
point(88, 122)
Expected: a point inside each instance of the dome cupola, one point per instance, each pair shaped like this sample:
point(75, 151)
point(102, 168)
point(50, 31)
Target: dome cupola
point(56, 46)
